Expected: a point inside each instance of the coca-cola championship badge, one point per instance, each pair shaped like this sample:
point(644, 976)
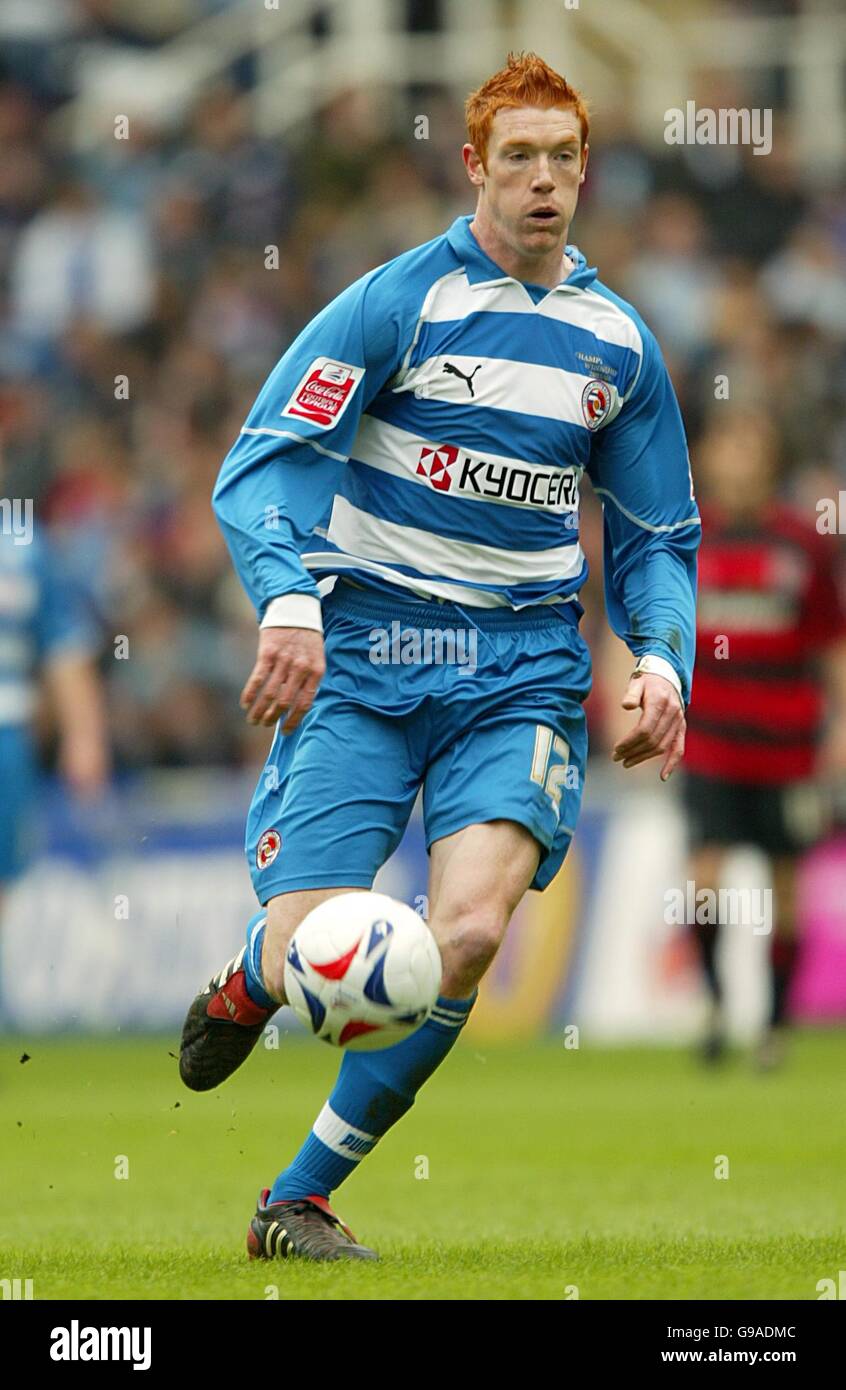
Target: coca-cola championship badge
point(324, 392)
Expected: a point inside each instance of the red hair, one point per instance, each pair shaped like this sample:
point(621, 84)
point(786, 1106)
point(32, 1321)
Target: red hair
point(526, 80)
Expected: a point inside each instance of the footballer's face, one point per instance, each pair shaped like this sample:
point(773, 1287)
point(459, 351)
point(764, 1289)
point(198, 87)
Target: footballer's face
point(535, 166)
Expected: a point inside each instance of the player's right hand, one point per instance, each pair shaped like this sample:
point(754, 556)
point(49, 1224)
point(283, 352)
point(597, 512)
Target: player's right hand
point(289, 667)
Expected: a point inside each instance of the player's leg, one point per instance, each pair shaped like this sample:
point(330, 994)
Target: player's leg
point(478, 876)
point(264, 962)
point(227, 1018)
point(719, 814)
point(791, 818)
point(705, 867)
point(329, 809)
point(783, 955)
point(373, 783)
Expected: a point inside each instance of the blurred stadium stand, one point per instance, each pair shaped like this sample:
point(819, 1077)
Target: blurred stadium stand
point(252, 127)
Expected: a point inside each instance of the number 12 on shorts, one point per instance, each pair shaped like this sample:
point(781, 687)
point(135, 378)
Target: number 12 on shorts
point(552, 776)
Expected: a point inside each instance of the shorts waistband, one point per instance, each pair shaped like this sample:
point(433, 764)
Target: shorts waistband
point(416, 612)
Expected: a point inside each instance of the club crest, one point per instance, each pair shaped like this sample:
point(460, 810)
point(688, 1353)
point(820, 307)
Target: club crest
point(597, 400)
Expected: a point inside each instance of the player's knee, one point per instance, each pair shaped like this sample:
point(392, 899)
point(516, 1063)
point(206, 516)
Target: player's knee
point(468, 943)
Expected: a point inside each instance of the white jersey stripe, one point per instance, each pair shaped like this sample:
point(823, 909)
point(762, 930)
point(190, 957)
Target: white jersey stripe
point(499, 384)
point(420, 587)
point(398, 452)
point(592, 312)
point(359, 533)
point(455, 299)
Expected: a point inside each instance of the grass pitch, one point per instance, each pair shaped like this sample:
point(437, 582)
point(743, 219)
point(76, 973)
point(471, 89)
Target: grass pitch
point(552, 1174)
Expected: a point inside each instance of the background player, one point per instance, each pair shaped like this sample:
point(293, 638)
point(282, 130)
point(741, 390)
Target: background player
point(771, 647)
point(46, 653)
point(365, 457)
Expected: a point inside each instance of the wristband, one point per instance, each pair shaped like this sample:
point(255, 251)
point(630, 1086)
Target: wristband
point(651, 665)
point(294, 610)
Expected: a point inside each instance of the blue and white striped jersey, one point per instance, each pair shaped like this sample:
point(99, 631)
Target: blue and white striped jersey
point(41, 620)
point(429, 429)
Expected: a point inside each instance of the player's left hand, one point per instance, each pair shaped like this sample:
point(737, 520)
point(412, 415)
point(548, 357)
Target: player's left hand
point(661, 728)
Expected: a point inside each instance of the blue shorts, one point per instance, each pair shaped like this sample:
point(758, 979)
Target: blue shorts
point(486, 715)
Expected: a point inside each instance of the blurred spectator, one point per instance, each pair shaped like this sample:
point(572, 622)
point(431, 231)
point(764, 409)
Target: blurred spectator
point(805, 281)
point(78, 258)
point(673, 280)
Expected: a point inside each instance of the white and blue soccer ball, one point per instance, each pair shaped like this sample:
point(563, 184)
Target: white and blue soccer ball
point(362, 971)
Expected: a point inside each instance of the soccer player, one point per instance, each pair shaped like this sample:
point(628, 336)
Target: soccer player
point(772, 664)
point(423, 441)
point(46, 647)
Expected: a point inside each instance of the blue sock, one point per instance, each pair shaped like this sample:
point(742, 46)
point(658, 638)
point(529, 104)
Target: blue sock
point(373, 1091)
point(253, 978)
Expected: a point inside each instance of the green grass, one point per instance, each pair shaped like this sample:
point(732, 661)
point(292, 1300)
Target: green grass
point(548, 1168)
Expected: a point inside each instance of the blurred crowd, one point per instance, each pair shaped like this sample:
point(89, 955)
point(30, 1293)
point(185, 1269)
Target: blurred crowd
point(143, 302)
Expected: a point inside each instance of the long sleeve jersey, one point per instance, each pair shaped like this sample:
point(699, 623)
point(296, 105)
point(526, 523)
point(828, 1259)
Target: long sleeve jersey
point(428, 431)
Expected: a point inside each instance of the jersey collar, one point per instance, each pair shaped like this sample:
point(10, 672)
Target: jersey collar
point(481, 270)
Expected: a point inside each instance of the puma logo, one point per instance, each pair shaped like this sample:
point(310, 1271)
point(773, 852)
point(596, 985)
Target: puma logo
point(456, 371)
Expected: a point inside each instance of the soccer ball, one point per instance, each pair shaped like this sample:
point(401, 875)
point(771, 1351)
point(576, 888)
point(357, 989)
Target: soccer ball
point(362, 971)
